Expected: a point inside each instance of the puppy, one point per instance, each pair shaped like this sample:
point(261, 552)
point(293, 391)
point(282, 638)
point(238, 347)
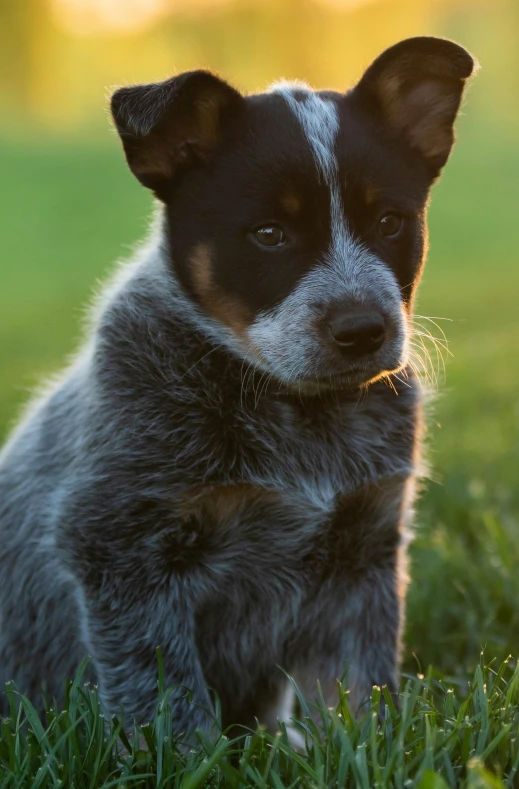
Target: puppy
point(227, 470)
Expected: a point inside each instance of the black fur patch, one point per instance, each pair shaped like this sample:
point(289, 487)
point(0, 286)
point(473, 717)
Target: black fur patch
point(265, 146)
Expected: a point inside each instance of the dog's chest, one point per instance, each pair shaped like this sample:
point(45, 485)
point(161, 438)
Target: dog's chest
point(314, 455)
point(285, 523)
point(269, 515)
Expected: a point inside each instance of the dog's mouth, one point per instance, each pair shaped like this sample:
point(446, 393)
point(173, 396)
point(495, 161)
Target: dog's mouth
point(342, 375)
point(348, 378)
point(351, 378)
point(321, 370)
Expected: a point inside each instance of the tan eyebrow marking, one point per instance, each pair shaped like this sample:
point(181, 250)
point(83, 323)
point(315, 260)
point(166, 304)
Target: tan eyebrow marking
point(291, 202)
point(370, 193)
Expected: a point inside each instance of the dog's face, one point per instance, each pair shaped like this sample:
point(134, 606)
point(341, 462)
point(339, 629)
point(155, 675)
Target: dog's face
point(296, 219)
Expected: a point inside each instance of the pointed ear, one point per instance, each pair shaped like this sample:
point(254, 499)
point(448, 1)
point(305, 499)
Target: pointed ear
point(417, 86)
point(167, 124)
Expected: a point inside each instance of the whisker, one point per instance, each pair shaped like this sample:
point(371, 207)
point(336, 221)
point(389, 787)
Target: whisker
point(431, 320)
point(420, 335)
point(363, 392)
point(262, 388)
point(193, 366)
point(417, 371)
point(427, 353)
point(405, 383)
point(442, 343)
point(387, 379)
point(418, 364)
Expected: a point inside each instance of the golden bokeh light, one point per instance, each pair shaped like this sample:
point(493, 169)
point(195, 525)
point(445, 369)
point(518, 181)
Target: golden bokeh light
point(91, 17)
point(95, 17)
point(60, 58)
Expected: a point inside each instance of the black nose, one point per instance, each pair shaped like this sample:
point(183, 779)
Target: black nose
point(357, 333)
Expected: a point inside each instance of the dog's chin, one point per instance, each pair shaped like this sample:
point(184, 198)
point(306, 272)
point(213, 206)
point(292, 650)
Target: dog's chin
point(352, 379)
point(332, 375)
point(349, 382)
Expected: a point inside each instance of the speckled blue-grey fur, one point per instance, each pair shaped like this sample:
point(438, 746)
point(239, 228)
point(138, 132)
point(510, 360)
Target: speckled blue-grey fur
point(218, 474)
point(94, 559)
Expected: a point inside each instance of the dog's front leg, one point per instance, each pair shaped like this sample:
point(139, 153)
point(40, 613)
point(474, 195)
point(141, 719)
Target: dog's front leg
point(357, 640)
point(123, 625)
point(351, 625)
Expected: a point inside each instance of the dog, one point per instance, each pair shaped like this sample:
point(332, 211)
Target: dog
point(227, 471)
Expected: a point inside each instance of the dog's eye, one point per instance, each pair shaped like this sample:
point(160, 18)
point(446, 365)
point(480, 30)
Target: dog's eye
point(270, 236)
point(390, 224)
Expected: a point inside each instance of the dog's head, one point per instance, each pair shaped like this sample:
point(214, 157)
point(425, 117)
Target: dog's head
point(297, 218)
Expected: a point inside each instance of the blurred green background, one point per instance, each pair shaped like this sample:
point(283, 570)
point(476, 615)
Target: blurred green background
point(69, 209)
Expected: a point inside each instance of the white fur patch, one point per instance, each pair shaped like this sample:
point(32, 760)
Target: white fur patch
point(288, 335)
point(320, 122)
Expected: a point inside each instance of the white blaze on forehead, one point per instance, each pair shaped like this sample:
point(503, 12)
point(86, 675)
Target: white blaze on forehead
point(319, 119)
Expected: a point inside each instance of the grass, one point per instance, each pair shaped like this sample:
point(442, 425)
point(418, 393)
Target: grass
point(438, 738)
point(69, 210)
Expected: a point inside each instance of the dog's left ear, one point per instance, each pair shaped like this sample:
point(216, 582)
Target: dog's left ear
point(168, 125)
point(417, 86)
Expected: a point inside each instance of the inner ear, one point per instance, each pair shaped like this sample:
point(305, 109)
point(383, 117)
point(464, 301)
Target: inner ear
point(417, 86)
point(166, 125)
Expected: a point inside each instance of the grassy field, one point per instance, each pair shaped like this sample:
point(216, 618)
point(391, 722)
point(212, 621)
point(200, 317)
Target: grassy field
point(435, 741)
point(67, 212)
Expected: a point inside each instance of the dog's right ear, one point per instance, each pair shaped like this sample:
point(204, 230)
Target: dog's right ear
point(165, 125)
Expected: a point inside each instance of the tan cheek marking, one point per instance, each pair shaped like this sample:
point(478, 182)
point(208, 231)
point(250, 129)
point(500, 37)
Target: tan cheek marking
point(201, 273)
point(291, 202)
point(223, 502)
point(232, 312)
point(220, 305)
